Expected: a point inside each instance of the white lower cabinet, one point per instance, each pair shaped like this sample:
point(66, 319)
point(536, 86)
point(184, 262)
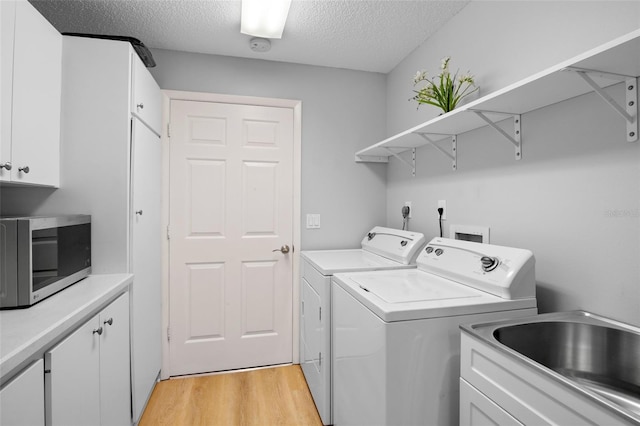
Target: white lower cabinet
point(22, 399)
point(497, 388)
point(87, 376)
point(477, 409)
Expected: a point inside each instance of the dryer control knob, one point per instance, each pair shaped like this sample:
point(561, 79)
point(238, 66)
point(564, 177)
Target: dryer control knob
point(489, 263)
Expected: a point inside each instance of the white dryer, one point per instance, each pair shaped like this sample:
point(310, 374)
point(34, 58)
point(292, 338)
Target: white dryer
point(396, 339)
point(382, 249)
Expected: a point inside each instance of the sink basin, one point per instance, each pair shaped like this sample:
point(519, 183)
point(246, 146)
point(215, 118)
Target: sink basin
point(605, 360)
point(597, 356)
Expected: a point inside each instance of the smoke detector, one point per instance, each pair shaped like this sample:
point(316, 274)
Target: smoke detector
point(259, 44)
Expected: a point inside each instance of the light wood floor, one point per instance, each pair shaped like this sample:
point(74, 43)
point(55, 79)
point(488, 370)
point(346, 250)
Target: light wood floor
point(264, 397)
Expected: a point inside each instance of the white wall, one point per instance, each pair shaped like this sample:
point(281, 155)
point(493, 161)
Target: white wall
point(342, 111)
point(574, 198)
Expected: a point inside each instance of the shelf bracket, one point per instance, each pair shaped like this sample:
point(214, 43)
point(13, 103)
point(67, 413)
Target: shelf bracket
point(411, 164)
point(371, 159)
point(454, 148)
point(516, 139)
point(630, 111)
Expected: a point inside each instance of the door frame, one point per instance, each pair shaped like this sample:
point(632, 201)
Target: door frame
point(296, 106)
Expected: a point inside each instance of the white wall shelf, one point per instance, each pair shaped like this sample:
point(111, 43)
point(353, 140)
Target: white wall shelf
point(594, 70)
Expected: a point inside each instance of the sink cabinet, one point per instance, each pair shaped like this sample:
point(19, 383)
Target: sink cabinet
point(22, 399)
point(495, 386)
point(87, 374)
point(31, 84)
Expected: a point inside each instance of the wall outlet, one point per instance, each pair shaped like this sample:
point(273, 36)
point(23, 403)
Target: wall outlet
point(443, 204)
point(408, 204)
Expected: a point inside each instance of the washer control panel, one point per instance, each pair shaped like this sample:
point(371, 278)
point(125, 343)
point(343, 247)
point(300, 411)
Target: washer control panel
point(503, 271)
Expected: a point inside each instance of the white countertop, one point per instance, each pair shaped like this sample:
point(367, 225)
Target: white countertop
point(26, 333)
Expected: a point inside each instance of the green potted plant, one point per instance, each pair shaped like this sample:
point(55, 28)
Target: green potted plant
point(444, 91)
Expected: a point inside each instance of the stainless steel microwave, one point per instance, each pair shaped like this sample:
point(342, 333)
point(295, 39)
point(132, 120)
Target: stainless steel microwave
point(40, 256)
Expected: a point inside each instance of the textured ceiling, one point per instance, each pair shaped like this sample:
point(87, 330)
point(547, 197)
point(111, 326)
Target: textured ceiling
point(354, 34)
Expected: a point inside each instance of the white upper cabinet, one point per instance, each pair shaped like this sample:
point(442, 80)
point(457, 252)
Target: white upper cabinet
point(146, 99)
point(32, 56)
point(7, 26)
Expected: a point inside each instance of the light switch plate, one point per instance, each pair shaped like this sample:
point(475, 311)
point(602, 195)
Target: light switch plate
point(313, 221)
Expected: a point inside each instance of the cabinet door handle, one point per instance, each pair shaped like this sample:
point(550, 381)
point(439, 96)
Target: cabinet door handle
point(140, 106)
point(98, 330)
point(139, 212)
point(6, 165)
point(109, 321)
point(24, 169)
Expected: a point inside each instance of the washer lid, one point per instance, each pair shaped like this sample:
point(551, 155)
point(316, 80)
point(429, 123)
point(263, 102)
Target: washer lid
point(329, 262)
point(394, 288)
point(412, 294)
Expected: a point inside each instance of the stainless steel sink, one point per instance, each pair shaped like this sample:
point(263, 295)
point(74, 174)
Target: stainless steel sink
point(595, 355)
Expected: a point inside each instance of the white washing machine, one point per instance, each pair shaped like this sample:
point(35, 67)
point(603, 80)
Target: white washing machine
point(382, 249)
point(396, 339)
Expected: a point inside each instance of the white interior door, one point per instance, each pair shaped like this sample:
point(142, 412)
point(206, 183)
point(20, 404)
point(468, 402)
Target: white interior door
point(231, 206)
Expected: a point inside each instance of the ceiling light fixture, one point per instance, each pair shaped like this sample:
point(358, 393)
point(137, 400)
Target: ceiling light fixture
point(264, 18)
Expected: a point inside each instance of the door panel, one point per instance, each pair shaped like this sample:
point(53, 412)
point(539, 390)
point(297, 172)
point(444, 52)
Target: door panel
point(22, 399)
point(231, 206)
point(258, 298)
point(7, 27)
point(146, 231)
point(37, 88)
point(207, 198)
point(260, 199)
point(115, 377)
point(73, 384)
point(206, 301)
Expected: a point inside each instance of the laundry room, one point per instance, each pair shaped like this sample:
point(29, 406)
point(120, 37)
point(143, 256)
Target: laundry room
point(574, 187)
point(540, 163)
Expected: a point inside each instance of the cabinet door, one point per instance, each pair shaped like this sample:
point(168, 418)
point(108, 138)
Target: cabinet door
point(37, 84)
point(477, 409)
point(22, 400)
point(115, 380)
point(146, 100)
point(146, 255)
point(7, 25)
point(73, 381)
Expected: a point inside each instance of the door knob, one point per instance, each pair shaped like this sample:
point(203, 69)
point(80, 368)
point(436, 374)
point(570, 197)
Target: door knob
point(98, 331)
point(109, 321)
point(6, 165)
point(139, 212)
point(24, 169)
point(284, 249)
